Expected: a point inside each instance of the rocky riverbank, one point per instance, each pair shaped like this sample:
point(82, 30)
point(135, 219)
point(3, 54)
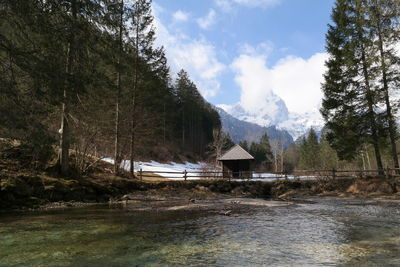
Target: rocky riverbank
point(34, 191)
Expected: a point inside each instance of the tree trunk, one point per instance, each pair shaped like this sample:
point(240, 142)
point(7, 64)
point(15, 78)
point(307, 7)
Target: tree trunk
point(65, 136)
point(367, 156)
point(371, 115)
point(183, 127)
point(164, 126)
point(134, 93)
point(363, 161)
point(117, 156)
point(116, 141)
point(65, 130)
point(369, 98)
point(389, 116)
point(132, 152)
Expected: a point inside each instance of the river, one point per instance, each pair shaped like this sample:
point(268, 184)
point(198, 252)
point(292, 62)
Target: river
point(324, 232)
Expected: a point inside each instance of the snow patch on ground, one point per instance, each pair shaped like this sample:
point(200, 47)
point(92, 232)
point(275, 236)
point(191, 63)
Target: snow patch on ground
point(159, 168)
point(193, 170)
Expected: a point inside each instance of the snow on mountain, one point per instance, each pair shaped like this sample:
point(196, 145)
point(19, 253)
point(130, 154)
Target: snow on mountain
point(275, 113)
point(240, 130)
point(299, 124)
point(271, 113)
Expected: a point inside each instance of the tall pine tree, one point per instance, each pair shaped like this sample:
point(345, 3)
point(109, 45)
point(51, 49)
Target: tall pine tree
point(141, 38)
point(384, 17)
point(351, 101)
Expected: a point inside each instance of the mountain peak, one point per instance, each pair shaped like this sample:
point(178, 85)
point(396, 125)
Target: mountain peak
point(272, 111)
point(275, 113)
point(245, 131)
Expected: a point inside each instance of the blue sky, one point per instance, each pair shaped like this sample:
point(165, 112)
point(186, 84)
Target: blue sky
point(245, 50)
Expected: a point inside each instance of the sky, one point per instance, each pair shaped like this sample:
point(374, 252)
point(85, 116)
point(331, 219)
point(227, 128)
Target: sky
point(242, 51)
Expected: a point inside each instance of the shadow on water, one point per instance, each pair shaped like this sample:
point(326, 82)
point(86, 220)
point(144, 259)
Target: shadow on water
point(325, 232)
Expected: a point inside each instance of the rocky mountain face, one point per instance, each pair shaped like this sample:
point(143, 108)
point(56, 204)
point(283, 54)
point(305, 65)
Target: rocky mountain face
point(274, 113)
point(241, 130)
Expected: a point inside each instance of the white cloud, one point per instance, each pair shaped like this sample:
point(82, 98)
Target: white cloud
point(264, 49)
point(197, 56)
point(228, 5)
point(207, 21)
point(180, 16)
point(225, 5)
point(294, 79)
point(298, 81)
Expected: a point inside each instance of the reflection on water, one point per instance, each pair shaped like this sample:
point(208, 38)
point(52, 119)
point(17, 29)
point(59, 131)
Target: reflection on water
point(328, 232)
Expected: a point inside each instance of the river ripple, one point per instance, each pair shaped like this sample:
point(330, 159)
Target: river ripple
point(328, 232)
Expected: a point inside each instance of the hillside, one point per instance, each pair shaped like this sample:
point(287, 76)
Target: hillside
point(87, 99)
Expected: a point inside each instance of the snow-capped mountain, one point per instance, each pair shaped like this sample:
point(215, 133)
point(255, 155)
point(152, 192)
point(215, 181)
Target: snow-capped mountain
point(246, 131)
point(270, 111)
point(299, 124)
point(275, 113)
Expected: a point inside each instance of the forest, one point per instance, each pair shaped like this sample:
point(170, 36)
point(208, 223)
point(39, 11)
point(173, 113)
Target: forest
point(84, 76)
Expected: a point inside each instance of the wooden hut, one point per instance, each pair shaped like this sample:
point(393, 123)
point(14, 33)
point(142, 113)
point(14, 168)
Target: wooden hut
point(236, 163)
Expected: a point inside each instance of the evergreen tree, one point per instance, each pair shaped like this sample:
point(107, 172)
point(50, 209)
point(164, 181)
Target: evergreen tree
point(115, 19)
point(262, 152)
point(197, 118)
point(384, 19)
point(340, 104)
point(365, 56)
point(350, 101)
point(266, 146)
point(141, 38)
point(244, 145)
point(309, 151)
point(327, 156)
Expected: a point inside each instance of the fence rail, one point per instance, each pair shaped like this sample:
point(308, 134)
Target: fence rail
point(260, 176)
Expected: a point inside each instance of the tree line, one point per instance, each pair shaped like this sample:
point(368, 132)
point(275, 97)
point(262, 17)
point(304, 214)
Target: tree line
point(310, 152)
point(314, 152)
point(86, 77)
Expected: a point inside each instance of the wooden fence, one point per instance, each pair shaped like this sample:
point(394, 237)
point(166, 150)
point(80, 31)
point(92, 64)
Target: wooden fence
point(263, 176)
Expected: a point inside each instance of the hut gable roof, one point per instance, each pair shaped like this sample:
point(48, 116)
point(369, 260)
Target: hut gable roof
point(236, 153)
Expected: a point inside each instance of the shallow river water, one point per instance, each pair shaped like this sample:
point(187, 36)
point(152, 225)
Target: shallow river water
point(328, 232)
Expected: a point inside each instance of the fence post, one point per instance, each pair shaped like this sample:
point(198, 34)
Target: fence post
point(141, 174)
point(185, 175)
point(334, 173)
